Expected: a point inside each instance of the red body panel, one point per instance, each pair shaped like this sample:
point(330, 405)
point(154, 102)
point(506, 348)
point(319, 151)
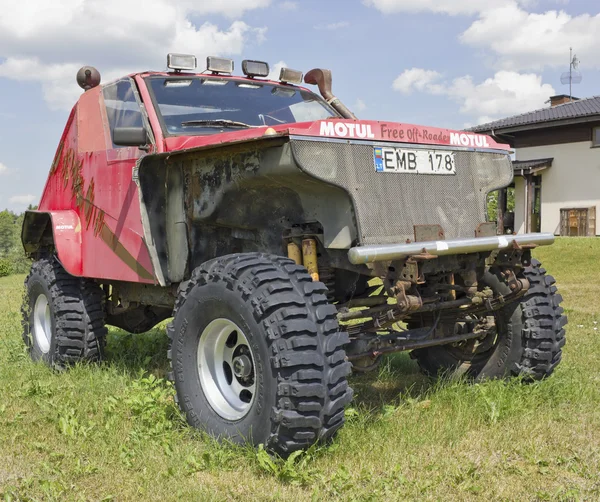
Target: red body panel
point(93, 181)
point(94, 203)
point(66, 227)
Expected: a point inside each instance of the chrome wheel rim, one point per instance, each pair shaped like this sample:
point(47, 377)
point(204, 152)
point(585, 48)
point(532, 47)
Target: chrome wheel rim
point(42, 323)
point(226, 369)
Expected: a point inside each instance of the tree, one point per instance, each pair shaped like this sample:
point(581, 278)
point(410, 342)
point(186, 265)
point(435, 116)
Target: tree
point(12, 256)
point(7, 232)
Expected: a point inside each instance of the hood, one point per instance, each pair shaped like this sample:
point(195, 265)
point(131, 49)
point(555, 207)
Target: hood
point(365, 130)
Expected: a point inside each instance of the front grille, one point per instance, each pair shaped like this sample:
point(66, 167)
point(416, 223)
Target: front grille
point(387, 205)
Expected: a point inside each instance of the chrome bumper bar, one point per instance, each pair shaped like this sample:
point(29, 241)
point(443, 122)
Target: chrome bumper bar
point(388, 252)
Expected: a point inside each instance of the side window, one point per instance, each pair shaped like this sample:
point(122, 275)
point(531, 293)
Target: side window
point(122, 108)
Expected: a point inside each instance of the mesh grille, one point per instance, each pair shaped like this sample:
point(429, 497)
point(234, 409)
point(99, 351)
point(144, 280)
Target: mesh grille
point(389, 204)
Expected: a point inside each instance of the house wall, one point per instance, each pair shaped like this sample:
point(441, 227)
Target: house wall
point(519, 205)
point(572, 181)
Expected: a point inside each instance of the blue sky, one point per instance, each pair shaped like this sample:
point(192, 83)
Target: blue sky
point(447, 63)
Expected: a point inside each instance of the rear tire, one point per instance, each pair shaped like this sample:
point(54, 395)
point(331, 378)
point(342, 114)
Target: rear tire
point(63, 317)
point(287, 387)
point(530, 336)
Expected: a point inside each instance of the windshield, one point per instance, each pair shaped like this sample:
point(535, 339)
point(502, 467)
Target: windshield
point(207, 105)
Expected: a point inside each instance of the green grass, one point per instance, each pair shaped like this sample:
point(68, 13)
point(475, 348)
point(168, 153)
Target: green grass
point(112, 432)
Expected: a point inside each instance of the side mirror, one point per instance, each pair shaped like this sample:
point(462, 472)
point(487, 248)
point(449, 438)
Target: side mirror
point(130, 136)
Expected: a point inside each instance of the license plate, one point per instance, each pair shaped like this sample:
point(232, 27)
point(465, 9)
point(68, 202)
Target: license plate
point(403, 160)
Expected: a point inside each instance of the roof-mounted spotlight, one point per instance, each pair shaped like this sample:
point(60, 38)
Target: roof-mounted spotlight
point(180, 62)
point(255, 68)
point(289, 76)
point(219, 65)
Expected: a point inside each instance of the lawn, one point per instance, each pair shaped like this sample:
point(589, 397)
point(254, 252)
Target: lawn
point(112, 432)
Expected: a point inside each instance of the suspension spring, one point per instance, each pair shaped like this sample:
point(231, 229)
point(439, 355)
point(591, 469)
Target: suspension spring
point(327, 277)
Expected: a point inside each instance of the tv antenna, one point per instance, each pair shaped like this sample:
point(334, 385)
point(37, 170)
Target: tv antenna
point(572, 76)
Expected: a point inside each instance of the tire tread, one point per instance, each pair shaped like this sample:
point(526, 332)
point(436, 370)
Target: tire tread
point(304, 338)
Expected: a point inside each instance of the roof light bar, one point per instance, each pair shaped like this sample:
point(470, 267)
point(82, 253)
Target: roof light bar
point(255, 68)
point(219, 65)
point(290, 76)
point(180, 62)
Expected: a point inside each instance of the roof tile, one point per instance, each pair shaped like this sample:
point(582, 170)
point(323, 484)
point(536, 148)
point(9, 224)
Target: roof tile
point(575, 109)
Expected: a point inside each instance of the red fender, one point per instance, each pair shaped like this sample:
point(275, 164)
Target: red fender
point(61, 229)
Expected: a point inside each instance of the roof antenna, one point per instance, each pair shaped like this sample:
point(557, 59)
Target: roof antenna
point(572, 76)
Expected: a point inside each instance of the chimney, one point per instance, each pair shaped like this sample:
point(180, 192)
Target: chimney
point(561, 99)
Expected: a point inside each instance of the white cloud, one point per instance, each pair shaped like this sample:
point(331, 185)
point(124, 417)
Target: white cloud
point(3, 169)
point(416, 79)
point(524, 40)
point(332, 26)
point(288, 5)
point(511, 37)
point(229, 8)
point(452, 7)
point(22, 199)
point(506, 93)
point(48, 41)
point(58, 80)
point(359, 105)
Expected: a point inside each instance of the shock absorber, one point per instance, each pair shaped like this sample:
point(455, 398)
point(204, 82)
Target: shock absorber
point(309, 256)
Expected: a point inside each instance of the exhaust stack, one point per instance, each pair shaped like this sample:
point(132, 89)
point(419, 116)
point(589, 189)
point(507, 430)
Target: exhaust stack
point(322, 78)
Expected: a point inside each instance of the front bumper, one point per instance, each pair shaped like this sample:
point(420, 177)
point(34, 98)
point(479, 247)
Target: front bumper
point(390, 252)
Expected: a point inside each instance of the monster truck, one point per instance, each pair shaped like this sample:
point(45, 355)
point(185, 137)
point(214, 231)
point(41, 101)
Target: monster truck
point(289, 241)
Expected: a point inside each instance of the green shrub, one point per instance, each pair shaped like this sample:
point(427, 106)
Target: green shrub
point(5, 267)
point(19, 262)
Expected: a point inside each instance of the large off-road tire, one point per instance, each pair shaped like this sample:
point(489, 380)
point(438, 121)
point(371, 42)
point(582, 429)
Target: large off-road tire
point(257, 355)
point(529, 339)
point(63, 317)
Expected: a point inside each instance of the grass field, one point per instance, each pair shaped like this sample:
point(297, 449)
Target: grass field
point(112, 432)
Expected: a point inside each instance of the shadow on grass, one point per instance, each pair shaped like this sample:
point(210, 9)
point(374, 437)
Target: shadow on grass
point(137, 353)
point(397, 378)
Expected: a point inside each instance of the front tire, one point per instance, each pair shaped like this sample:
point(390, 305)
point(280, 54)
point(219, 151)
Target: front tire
point(529, 339)
point(257, 355)
point(63, 317)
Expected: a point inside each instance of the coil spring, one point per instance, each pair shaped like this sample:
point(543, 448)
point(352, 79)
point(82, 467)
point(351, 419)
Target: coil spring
point(327, 277)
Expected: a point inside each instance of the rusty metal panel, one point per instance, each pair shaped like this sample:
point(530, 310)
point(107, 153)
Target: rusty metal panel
point(486, 229)
point(425, 233)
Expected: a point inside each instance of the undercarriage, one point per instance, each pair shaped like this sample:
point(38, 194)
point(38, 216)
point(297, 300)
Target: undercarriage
point(419, 301)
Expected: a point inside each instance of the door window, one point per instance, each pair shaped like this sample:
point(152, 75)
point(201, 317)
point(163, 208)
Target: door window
point(122, 107)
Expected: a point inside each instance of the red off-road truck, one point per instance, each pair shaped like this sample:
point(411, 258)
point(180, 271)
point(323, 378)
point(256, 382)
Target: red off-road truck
point(289, 241)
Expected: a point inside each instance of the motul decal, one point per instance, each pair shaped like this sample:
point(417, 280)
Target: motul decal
point(473, 140)
point(395, 133)
point(64, 227)
point(346, 130)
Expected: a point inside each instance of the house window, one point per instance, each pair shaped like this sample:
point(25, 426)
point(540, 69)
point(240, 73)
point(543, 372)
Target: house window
point(578, 222)
point(596, 136)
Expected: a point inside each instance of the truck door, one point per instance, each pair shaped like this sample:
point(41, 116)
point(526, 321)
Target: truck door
point(121, 253)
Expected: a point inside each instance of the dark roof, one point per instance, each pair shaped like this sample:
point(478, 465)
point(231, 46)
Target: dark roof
point(528, 164)
point(531, 166)
point(564, 96)
point(575, 110)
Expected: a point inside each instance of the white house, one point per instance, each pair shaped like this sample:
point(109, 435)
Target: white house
point(557, 167)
